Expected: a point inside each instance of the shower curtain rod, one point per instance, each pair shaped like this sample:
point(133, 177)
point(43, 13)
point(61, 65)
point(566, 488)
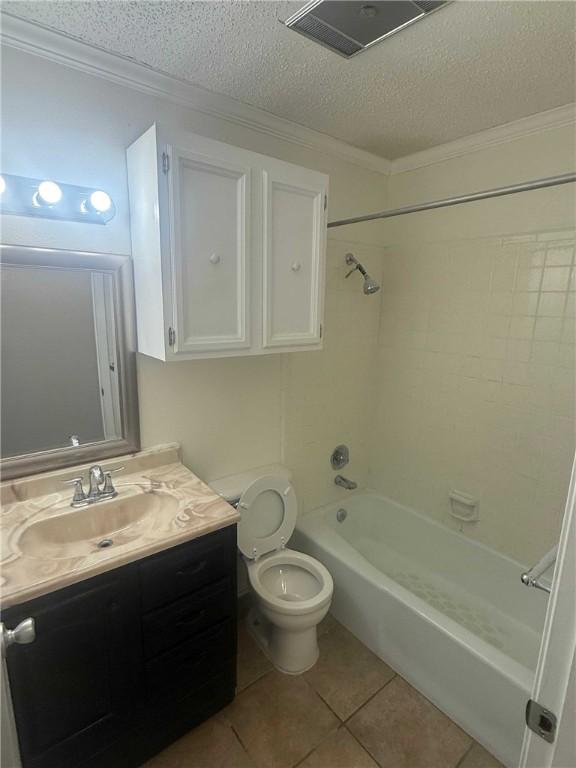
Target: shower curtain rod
point(526, 186)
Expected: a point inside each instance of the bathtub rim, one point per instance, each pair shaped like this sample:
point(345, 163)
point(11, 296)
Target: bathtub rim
point(459, 535)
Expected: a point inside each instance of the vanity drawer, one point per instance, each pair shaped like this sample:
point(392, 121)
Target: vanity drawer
point(180, 671)
point(173, 574)
point(167, 627)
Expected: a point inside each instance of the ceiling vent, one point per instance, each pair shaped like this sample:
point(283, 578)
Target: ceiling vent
point(349, 28)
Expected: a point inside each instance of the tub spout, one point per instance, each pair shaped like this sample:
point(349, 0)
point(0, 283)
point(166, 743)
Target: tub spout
point(343, 482)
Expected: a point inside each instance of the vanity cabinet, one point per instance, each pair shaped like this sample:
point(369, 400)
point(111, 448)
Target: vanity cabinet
point(73, 687)
point(126, 662)
point(228, 249)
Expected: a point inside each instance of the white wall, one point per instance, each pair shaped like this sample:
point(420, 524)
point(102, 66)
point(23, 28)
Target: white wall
point(476, 364)
point(233, 414)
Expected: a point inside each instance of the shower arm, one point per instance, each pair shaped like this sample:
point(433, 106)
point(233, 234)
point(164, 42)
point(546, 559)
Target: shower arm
point(526, 186)
point(351, 259)
point(357, 268)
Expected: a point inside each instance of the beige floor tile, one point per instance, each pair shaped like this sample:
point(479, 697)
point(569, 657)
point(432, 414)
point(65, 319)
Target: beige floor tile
point(212, 745)
point(251, 662)
point(280, 719)
point(402, 729)
point(347, 673)
point(478, 757)
point(339, 751)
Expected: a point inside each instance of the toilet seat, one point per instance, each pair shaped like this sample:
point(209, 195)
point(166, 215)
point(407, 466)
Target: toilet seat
point(275, 598)
point(262, 528)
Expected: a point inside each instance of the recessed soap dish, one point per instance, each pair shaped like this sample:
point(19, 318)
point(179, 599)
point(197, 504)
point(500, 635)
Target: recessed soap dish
point(464, 507)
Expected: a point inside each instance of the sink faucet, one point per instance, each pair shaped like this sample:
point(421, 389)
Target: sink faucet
point(343, 482)
point(96, 479)
point(100, 487)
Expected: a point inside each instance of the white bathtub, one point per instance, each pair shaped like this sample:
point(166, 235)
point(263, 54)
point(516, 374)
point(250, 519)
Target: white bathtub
point(450, 615)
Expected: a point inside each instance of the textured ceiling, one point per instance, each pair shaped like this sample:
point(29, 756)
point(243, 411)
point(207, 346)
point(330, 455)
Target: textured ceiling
point(471, 66)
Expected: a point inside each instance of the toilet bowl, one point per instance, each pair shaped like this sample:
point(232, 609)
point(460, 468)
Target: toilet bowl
point(293, 591)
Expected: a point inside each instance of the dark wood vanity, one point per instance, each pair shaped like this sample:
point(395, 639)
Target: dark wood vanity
point(127, 661)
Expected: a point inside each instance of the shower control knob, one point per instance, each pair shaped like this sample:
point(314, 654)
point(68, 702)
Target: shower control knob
point(296, 266)
point(214, 259)
point(340, 457)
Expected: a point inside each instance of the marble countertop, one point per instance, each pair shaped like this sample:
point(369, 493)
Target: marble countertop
point(183, 508)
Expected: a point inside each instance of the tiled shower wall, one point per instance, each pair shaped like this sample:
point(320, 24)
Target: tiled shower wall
point(328, 396)
point(476, 383)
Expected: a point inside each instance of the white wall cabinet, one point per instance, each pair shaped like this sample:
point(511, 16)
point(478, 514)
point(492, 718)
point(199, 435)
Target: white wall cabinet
point(228, 248)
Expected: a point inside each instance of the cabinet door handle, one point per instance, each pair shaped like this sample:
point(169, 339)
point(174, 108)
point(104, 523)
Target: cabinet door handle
point(23, 634)
point(296, 266)
point(192, 569)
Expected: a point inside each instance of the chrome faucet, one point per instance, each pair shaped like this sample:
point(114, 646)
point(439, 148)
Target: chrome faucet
point(100, 486)
point(343, 482)
point(96, 479)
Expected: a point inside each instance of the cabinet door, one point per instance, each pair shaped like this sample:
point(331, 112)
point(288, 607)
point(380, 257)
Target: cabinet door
point(210, 214)
point(73, 688)
point(294, 222)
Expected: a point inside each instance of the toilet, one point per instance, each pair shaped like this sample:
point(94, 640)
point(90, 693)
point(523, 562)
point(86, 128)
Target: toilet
point(293, 591)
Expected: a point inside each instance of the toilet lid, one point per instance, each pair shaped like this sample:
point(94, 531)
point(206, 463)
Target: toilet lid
point(268, 511)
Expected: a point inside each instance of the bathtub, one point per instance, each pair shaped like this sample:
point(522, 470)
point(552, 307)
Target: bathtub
point(449, 615)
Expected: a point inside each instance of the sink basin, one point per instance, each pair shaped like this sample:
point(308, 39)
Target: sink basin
point(85, 530)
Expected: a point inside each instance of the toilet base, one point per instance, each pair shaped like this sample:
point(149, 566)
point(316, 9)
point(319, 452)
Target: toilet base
point(290, 652)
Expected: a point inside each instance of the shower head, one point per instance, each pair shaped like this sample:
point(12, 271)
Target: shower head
point(370, 285)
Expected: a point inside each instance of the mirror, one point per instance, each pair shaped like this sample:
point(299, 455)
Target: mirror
point(59, 382)
point(68, 387)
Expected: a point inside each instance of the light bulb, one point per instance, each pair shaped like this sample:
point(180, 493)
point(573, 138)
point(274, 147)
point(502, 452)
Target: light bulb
point(2, 184)
point(100, 201)
point(49, 193)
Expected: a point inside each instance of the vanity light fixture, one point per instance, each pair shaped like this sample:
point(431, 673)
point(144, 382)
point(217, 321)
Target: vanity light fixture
point(49, 193)
point(23, 196)
point(99, 201)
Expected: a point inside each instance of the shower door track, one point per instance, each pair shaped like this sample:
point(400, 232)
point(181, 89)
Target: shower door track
point(526, 186)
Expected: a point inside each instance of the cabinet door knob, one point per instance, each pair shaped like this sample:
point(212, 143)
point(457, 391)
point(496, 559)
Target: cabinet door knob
point(214, 259)
point(296, 266)
point(23, 634)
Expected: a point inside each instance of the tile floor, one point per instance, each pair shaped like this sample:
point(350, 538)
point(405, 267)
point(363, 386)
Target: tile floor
point(350, 711)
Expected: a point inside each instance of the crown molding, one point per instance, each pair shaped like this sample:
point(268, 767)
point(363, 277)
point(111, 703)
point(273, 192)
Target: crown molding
point(60, 48)
point(542, 121)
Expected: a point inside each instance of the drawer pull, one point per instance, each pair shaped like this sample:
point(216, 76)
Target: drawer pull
point(188, 623)
point(192, 570)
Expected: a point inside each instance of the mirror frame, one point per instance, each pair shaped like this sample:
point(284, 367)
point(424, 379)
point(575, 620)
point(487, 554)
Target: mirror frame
point(121, 269)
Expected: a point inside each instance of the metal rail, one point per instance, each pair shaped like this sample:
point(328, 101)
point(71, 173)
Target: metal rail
point(531, 578)
point(526, 186)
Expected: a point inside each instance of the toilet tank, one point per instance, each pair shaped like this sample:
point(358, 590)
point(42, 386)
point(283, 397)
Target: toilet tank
point(232, 487)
